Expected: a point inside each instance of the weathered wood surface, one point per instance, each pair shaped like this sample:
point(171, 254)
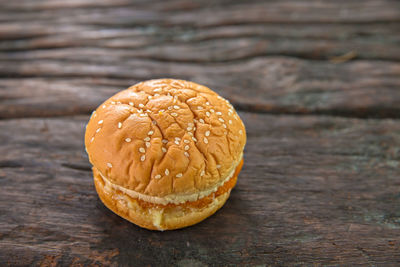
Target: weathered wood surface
point(274, 85)
point(268, 56)
point(315, 188)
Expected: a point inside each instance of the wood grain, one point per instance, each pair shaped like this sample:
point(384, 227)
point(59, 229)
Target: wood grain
point(273, 85)
point(314, 189)
point(276, 57)
point(194, 13)
point(217, 44)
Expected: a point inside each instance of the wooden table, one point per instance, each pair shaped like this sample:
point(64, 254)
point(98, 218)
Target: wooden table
point(317, 84)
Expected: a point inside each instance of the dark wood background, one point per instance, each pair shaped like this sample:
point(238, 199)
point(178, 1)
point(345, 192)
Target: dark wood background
point(317, 84)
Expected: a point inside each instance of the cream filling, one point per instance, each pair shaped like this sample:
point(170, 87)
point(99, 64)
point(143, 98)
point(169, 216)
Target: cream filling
point(173, 198)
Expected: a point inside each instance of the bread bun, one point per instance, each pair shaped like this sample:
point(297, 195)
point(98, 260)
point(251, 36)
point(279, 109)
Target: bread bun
point(163, 145)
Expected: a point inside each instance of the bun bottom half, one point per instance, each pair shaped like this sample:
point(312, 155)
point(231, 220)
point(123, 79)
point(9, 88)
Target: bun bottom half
point(156, 218)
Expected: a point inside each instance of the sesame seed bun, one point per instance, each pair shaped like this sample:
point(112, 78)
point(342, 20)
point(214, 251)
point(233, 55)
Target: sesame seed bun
point(167, 146)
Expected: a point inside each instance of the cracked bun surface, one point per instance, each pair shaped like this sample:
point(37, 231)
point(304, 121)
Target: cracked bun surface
point(161, 146)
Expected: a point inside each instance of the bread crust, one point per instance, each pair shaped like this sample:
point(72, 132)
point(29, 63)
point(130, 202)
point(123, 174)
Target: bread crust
point(156, 218)
point(164, 153)
point(164, 137)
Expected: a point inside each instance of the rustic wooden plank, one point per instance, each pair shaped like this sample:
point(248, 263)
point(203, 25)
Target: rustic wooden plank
point(314, 190)
point(177, 31)
point(54, 87)
point(208, 51)
point(76, 33)
point(313, 41)
point(184, 13)
point(109, 45)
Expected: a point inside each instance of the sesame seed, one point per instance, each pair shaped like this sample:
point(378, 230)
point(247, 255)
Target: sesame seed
point(100, 122)
point(109, 164)
point(179, 175)
point(164, 149)
point(240, 131)
point(162, 110)
point(207, 103)
point(147, 139)
point(218, 166)
point(131, 104)
point(205, 140)
point(174, 114)
point(142, 150)
point(186, 141)
point(112, 102)
point(142, 158)
point(218, 113)
point(200, 108)
point(98, 130)
point(91, 140)
point(157, 176)
point(157, 90)
point(202, 173)
point(190, 124)
point(170, 108)
point(119, 125)
point(201, 120)
point(154, 122)
point(177, 142)
point(224, 125)
point(176, 107)
point(186, 154)
point(166, 172)
point(104, 106)
point(186, 147)
point(194, 128)
point(221, 119)
point(119, 102)
point(207, 133)
point(178, 138)
point(194, 139)
point(156, 94)
point(194, 120)
point(190, 133)
point(164, 141)
point(140, 110)
point(189, 128)
point(148, 110)
point(143, 115)
point(147, 144)
point(149, 97)
point(208, 114)
point(128, 140)
point(141, 105)
point(230, 121)
point(212, 110)
point(150, 132)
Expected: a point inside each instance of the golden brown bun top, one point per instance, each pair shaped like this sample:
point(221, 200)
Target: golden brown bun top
point(166, 136)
